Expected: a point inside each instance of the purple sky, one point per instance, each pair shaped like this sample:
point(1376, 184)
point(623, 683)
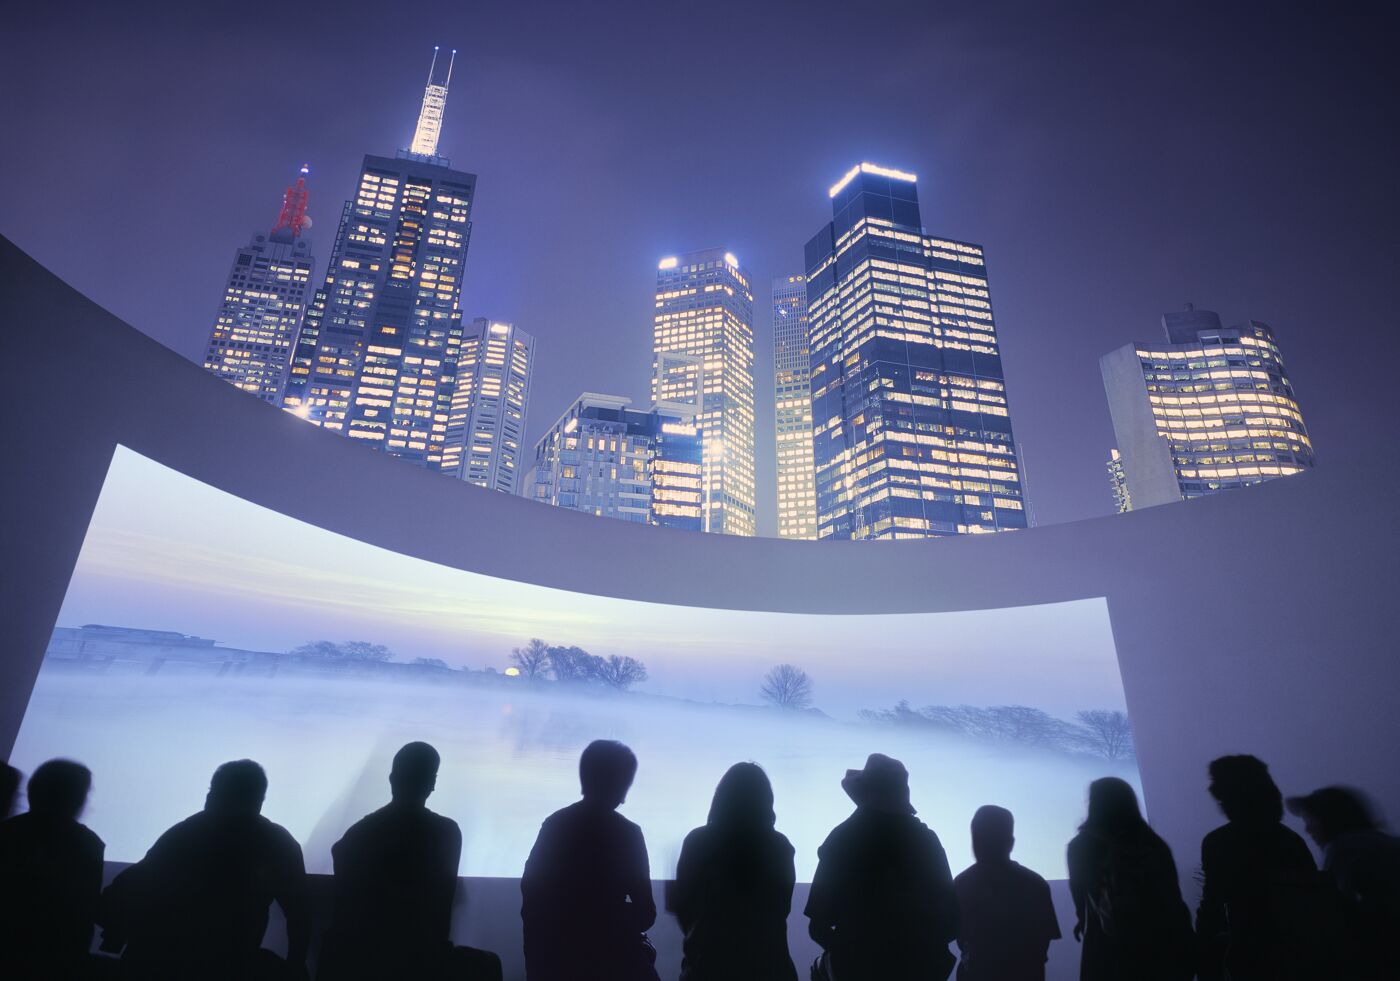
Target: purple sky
point(1114, 163)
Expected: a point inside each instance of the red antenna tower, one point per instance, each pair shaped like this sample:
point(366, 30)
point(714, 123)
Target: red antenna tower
point(292, 219)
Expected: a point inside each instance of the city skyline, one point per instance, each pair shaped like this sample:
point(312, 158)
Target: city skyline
point(1051, 339)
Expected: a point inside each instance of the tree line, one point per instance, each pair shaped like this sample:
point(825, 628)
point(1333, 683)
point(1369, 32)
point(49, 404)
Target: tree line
point(1102, 732)
point(539, 661)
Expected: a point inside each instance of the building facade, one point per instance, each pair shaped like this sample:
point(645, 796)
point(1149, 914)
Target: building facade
point(912, 432)
point(704, 315)
point(376, 355)
point(264, 298)
point(1209, 410)
point(610, 460)
point(490, 397)
point(792, 409)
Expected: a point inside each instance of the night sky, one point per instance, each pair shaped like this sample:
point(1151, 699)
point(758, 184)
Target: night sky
point(1115, 163)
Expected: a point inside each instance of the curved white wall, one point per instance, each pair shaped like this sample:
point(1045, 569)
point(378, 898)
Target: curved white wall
point(1260, 621)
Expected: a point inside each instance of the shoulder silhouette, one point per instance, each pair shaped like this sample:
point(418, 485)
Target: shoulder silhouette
point(1127, 900)
point(586, 890)
point(395, 884)
point(1006, 919)
point(882, 902)
point(50, 878)
point(733, 888)
point(197, 904)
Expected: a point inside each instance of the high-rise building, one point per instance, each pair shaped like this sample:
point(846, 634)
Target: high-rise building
point(1210, 409)
point(491, 394)
point(264, 297)
point(704, 311)
point(377, 352)
point(792, 402)
point(607, 459)
point(911, 431)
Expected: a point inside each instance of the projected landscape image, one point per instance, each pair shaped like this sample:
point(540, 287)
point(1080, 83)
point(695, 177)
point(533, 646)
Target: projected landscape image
point(209, 628)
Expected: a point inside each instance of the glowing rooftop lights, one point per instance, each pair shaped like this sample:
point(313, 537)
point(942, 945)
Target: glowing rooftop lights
point(729, 258)
point(667, 263)
point(305, 169)
point(500, 328)
point(870, 168)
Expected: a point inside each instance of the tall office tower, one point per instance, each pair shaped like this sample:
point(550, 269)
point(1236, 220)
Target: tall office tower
point(911, 433)
point(1208, 410)
point(606, 459)
point(704, 310)
point(377, 351)
point(792, 398)
point(486, 418)
point(251, 340)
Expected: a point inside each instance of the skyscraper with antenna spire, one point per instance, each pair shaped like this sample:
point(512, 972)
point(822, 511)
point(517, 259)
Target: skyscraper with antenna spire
point(264, 297)
point(376, 357)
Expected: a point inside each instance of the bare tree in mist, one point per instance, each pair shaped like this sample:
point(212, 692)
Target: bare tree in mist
point(787, 686)
point(621, 672)
point(532, 659)
point(1107, 733)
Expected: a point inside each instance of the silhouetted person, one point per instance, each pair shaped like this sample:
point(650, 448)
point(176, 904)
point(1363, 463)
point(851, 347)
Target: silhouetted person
point(882, 905)
point(395, 881)
point(1006, 919)
point(197, 905)
point(1364, 862)
point(1127, 900)
point(9, 789)
point(733, 888)
point(586, 890)
point(1259, 910)
point(50, 878)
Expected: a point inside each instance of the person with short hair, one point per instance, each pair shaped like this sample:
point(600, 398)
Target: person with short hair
point(50, 878)
point(586, 889)
point(197, 905)
point(881, 904)
point(1006, 919)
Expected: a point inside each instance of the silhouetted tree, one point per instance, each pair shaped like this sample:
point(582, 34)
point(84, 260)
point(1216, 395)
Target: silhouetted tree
point(1107, 733)
point(574, 664)
point(787, 686)
point(622, 672)
point(430, 662)
point(532, 659)
point(350, 650)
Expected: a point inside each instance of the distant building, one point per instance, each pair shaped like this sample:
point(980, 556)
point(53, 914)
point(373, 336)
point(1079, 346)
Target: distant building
point(911, 429)
point(1122, 500)
point(376, 356)
point(610, 460)
point(702, 344)
point(264, 297)
point(792, 405)
point(491, 394)
point(1210, 409)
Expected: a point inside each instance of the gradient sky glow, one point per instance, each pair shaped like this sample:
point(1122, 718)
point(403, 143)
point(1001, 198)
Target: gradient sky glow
point(1116, 160)
point(208, 563)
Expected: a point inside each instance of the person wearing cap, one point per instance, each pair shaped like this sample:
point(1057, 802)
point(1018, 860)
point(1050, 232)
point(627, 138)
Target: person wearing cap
point(881, 905)
point(1364, 862)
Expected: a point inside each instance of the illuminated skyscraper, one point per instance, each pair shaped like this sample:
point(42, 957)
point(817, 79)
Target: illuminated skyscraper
point(792, 396)
point(1209, 410)
point(486, 418)
point(704, 311)
point(376, 355)
point(911, 432)
point(607, 459)
point(251, 340)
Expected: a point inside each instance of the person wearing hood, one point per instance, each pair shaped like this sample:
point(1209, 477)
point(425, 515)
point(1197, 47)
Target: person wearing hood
point(882, 905)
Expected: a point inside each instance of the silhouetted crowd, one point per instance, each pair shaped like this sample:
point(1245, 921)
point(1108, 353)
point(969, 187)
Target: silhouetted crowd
point(883, 904)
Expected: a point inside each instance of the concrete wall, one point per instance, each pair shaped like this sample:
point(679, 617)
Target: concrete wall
point(1261, 620)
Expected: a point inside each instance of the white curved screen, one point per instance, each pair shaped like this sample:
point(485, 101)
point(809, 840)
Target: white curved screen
point(199, 627)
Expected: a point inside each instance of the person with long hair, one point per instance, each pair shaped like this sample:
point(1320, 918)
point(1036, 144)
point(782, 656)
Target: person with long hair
point(1127, 900)
point(733, 888)
point(1258, 918)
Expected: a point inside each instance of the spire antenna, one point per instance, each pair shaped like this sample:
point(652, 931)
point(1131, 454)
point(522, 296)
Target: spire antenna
point(429, 129)
point(292, 219)
point(450, 62)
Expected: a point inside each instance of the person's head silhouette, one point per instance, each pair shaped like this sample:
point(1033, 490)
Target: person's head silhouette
point(1241, 785)
point(993, 834)
point(743, 799)
point(1332, 812)
point(237, 789)
point(59, 789)
point(1113, 807)
point(413, 776)
point(605, 772)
